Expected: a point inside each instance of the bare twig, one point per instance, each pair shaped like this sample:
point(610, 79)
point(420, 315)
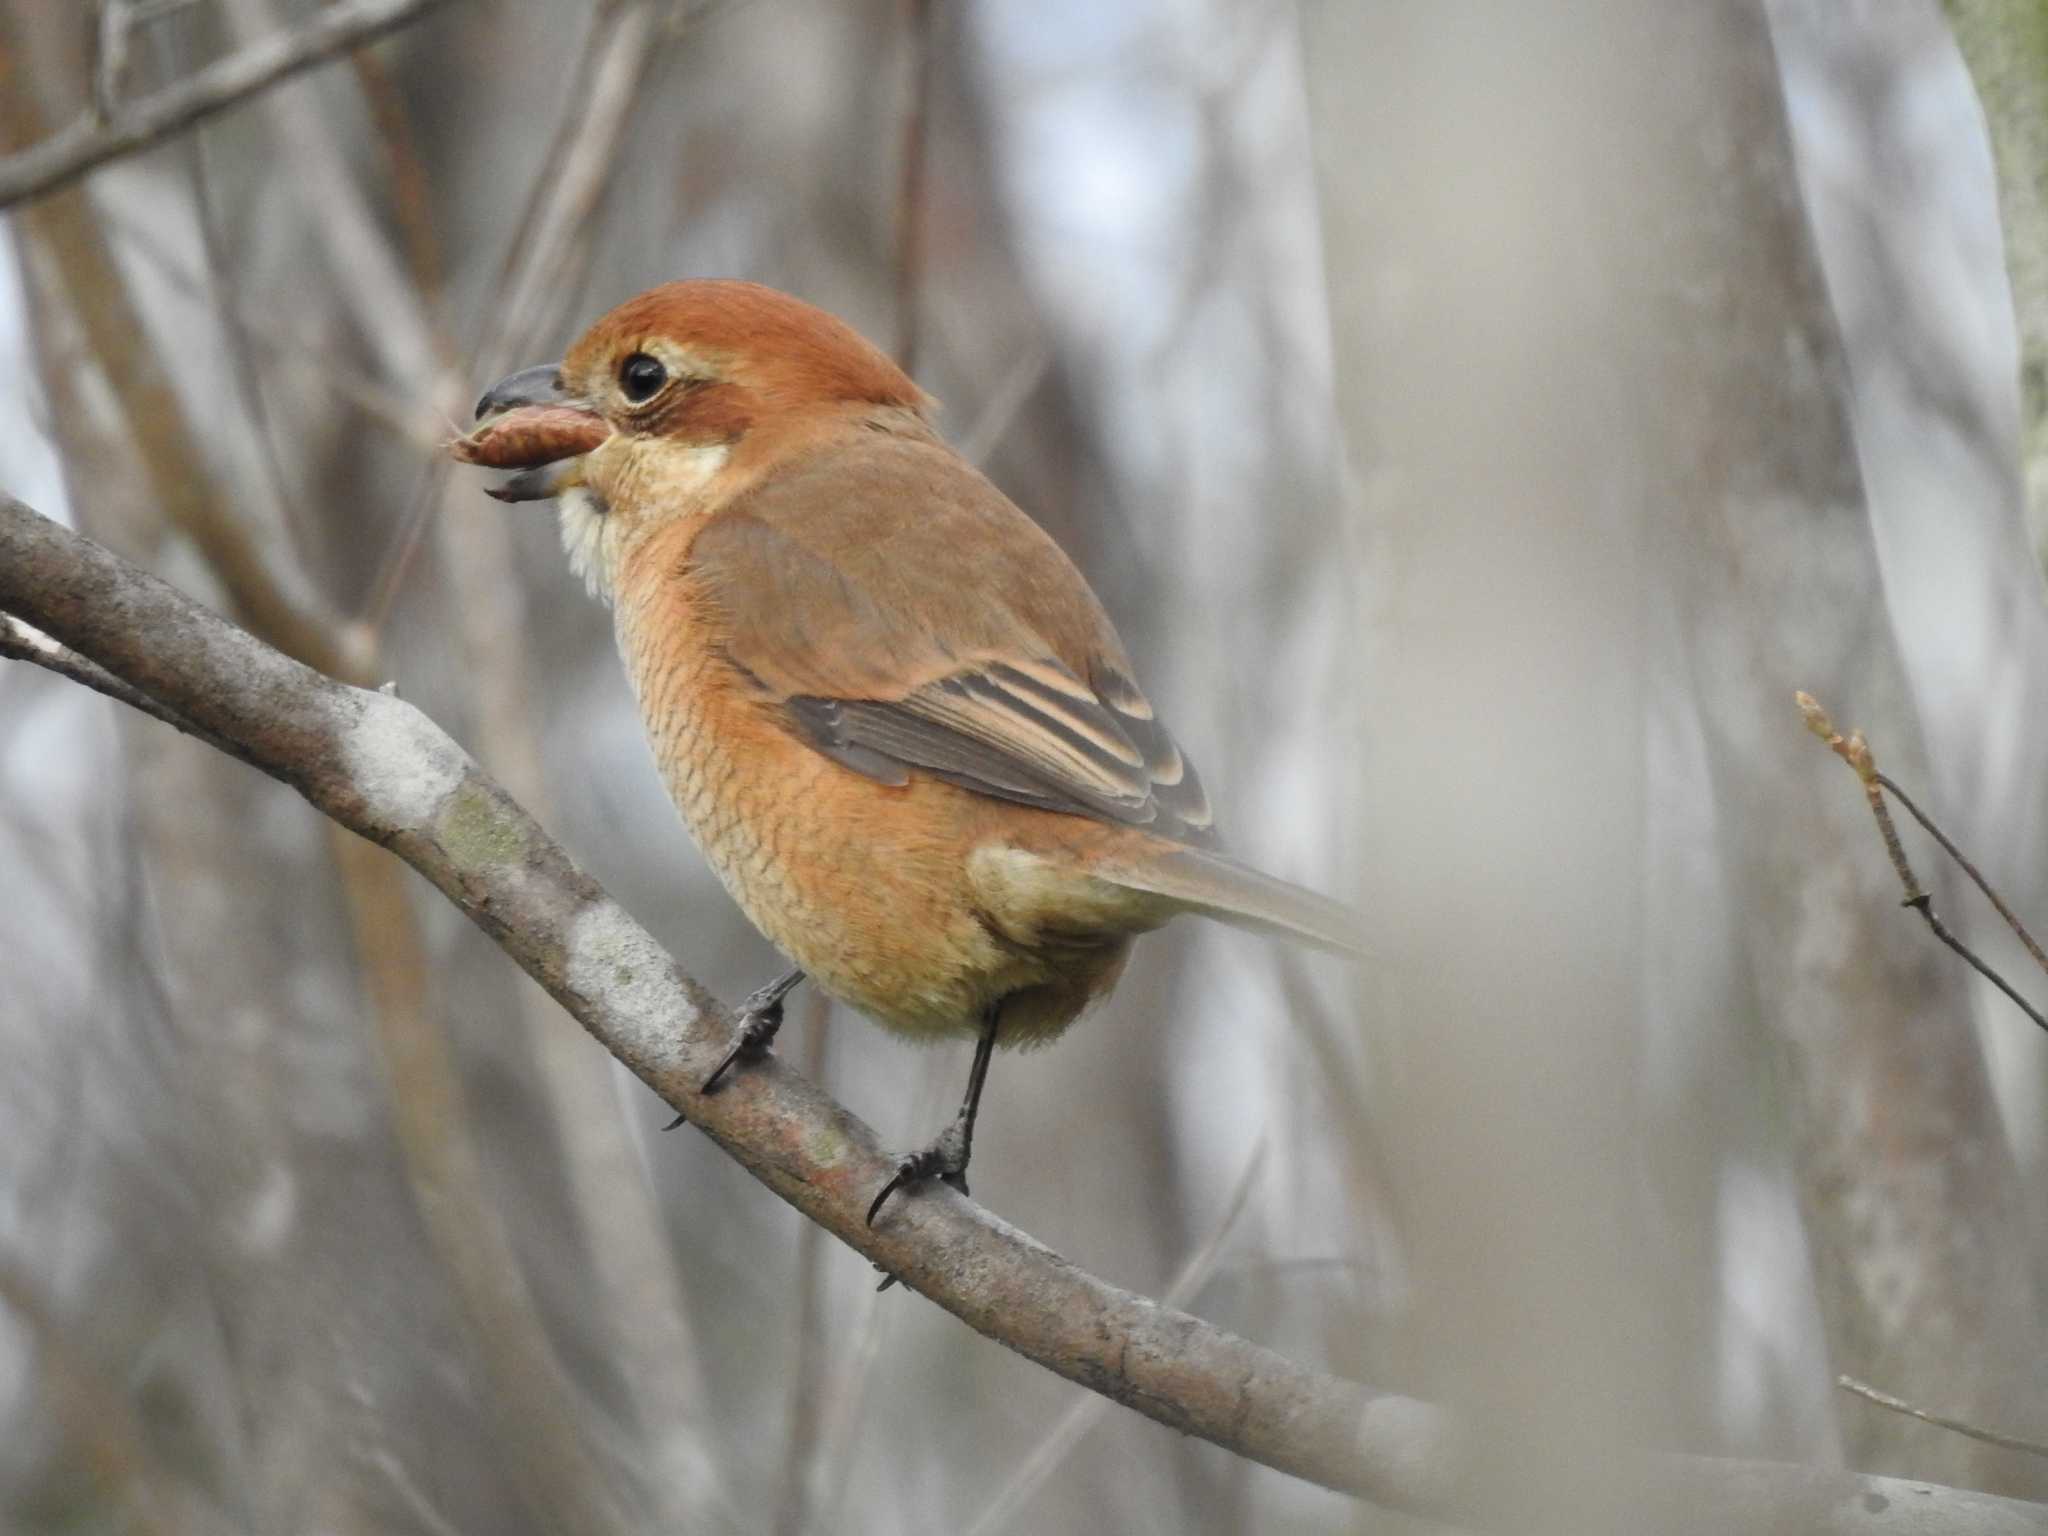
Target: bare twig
point(551, 235)
point(367, 270)
point(807, 1381)
point(1948, 847)
point(117, 1452)
point(379, 767)
point(533, 1401)
point(1855, 751)
point(910, 193)
point(118, 22)
point(999, 411)
point(88, 143)
point(843, 1416)
point(22, 642)
point(226, 309)
point(274, 600)
point(1865, 1390)
point(407, 1487)
point(539, 268)
point(412, 195)
point(1047, 1456)
point(285, 339)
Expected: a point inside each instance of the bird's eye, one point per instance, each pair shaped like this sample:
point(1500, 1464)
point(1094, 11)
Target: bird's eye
point(640, 376)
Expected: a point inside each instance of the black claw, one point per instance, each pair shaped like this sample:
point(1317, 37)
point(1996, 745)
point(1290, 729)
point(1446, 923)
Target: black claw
point(901, 1177)
point(760, 1017)
point(742, 1047)
point(948, 1155)
point(678, 1121)
point(945, 1159)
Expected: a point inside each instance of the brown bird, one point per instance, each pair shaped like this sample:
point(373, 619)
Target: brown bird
point(892, 713)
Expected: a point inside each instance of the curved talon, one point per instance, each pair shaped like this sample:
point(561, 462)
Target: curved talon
point(902, 1176)
point(760, 1016)
point(945, 1159)
point(678, 1121)
point(739, 1049)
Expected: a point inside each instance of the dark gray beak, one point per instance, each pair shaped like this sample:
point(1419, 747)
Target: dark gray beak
point(540, 385)
point(546, 456)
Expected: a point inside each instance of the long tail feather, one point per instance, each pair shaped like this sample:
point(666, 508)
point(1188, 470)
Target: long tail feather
point(1221, 887)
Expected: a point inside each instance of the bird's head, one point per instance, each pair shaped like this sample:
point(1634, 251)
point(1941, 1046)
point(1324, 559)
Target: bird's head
point(672, 403)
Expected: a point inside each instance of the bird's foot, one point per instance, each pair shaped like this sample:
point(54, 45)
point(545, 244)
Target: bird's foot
point(946, 1158)
point(760, 1016)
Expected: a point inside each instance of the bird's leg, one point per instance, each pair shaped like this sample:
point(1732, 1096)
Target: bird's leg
point(760, 1016)
point(947, 1156)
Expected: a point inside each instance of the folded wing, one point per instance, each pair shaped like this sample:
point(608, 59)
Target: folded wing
point(958, 641)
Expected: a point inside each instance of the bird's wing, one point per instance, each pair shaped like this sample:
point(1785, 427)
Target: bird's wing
point(903, 614)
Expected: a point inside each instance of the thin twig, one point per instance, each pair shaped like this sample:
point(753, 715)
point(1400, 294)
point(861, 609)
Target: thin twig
point(407, 1487)
point(367, 272)
point(412, 194)
point(286, 340)
point(999, 412)
point(23, 642)
point(225, 308)
point(910, 197)
point(277, 601)
point(1855, 751)
point(371, 279)
point(118, 22)
point(1081, 1415)
point(844, 1416)
point(101, 1420)
point(88, 143)
point(540, 268)
point(1354, 1264)
point(807, 1381)
point(550, 238)
point(1997, 902)
point(1864, 1389)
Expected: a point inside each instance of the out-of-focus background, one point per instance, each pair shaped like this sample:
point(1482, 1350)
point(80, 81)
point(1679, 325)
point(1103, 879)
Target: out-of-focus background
point(1479, 420)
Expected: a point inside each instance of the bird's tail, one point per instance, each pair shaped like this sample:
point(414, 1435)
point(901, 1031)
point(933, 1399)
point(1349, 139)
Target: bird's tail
point(1220, 887)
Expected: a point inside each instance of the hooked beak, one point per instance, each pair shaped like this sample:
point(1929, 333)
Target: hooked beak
point(539, 385)
point(527, 422)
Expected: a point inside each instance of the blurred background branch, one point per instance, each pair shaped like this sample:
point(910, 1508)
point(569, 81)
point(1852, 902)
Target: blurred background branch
point(36, 168)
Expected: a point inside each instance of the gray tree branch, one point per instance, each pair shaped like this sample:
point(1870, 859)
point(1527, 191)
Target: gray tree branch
point(89, 142)
point(381, 768)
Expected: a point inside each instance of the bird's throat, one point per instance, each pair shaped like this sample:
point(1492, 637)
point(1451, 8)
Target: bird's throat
point(590, 538)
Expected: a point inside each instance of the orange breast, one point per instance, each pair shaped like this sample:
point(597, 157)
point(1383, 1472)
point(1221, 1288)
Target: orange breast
point(866, 886)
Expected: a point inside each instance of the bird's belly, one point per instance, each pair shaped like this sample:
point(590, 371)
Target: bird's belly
point(863, 885)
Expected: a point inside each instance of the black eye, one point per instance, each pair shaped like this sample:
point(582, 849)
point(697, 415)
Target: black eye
point(640, 376)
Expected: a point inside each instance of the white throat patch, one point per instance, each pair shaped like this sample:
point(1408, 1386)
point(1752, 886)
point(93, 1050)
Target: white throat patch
point(592, 536)
point(589, 538)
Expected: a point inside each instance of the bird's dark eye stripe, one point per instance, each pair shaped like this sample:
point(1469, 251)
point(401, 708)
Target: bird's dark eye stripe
point(641, 376)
